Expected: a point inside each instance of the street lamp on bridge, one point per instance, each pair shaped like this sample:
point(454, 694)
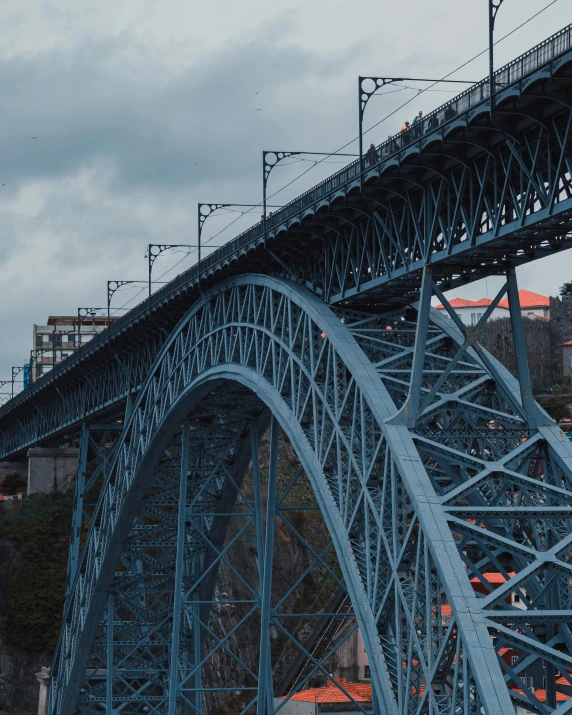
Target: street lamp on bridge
point(366, 92)
point(494, 6)
point(5, 396)
point(270, 160)
point(114, 286)
point(15, 372)
point(207, 210)
point(153, 251)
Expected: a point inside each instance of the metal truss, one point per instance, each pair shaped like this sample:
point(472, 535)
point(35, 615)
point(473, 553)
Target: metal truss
point(430, 466)
point(502, 197)
point(469, 193)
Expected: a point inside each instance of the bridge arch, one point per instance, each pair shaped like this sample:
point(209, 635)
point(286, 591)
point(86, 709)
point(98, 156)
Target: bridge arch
point(305, 364)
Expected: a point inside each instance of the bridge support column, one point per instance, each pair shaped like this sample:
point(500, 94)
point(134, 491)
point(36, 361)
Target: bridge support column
point(520, 350)
point(179, 566)
point(411, 407)
point(265, 689)
point(51, 470)
point(43, 678)
point(109, 669)
point(197, 646)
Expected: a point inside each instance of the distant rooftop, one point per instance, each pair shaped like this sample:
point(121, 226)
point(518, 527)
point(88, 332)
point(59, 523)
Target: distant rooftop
point(527, 299)
point(86, 320)
point(360, 692)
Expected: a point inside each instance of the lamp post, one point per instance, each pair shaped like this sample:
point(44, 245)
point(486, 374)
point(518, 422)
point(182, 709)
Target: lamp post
point(6, 395)
point(84, 313)
point(112, 288)
point(207, 210)
point(15, 372)
point(365, 94)
point(494, 6)
point(270, 160)
point(154, 250)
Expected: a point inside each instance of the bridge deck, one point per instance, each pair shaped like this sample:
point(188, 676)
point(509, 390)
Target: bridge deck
point(549, 66)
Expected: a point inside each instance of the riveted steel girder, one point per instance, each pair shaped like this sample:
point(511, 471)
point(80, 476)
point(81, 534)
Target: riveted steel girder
point(471, 196)
point(396, 498)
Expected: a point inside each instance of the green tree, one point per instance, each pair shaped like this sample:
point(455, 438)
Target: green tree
point(556, 408)
point(37, 532)
point(566, 289)
point(12, 482)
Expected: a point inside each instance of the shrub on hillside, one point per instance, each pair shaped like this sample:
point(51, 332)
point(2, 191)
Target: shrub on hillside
point(556, 408)
point(32, 592)
point(12, 483)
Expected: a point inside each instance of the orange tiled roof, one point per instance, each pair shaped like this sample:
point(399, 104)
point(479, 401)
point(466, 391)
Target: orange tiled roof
point(493, 577)
point(541, 695)
point(464, 303)
point(528, 299)
point(360, 692)
point(567, 343)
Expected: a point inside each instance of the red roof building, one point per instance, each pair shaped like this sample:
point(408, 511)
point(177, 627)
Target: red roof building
point(530, 301)
point(533, 305)
point(332, 695)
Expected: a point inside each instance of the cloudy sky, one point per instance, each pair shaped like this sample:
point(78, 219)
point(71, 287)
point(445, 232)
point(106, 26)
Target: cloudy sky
point(141, 109)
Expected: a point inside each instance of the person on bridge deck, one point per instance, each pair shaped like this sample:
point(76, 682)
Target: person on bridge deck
point(371, 155)
point(405, 127)
point(417, 124)
point(389, 147)
point(405, 131)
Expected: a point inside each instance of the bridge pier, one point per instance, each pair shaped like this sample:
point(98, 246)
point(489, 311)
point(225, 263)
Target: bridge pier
point(51, 469)
point(43, 678)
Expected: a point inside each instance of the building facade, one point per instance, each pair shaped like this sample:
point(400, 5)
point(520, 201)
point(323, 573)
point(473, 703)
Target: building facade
point(60, 338)
point(532, 305)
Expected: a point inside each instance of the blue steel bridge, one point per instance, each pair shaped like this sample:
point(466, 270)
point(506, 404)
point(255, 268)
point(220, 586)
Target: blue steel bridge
point(427, 464)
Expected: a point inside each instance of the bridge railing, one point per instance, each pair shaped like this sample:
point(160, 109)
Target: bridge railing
point(509, 74)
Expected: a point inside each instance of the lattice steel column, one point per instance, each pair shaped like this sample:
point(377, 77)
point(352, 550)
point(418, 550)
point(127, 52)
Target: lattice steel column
point(265, 688)
point(179, 568)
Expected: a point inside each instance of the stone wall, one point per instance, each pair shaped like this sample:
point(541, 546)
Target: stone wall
point(544, 360)
point(50, 470)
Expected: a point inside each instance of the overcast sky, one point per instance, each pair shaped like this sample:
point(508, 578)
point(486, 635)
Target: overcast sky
point(141, 109)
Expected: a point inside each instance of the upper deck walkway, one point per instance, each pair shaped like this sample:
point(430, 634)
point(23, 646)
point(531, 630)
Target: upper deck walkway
point(550, 61)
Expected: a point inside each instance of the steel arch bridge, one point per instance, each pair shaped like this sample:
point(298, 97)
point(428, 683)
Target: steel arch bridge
point(430, 466)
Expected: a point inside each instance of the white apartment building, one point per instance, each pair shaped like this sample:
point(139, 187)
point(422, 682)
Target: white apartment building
point(59, 339)
point(532, 305)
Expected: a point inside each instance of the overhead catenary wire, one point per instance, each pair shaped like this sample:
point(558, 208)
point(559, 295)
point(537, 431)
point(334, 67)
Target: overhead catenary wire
point(392, 113)
point(315, 163)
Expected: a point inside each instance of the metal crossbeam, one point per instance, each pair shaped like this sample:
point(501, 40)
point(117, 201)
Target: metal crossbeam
point(443, 493)
point(420, 518)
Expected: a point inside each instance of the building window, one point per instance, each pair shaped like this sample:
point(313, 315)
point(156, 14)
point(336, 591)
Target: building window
point(366, 672)
point(479, 316)
point(513, 659)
